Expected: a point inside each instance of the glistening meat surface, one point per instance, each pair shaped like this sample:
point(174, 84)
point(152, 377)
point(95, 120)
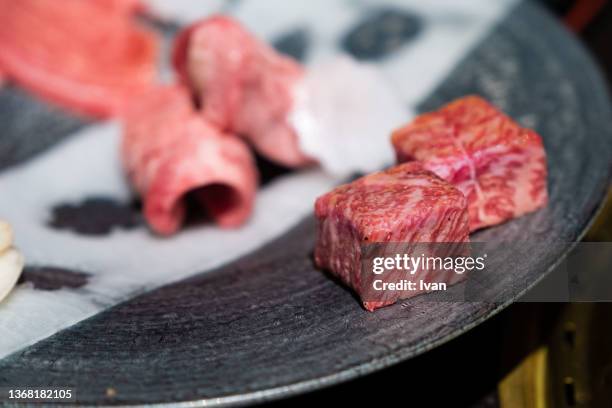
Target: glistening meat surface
point(169, 150)
point(404, 204)
point(88, 56)
point(498, 165)
point(244, 86)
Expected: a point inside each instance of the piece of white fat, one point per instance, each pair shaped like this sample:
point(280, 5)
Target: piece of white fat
point(6, 236)
point(11, 261)
point(344, 113)
point(11, 265)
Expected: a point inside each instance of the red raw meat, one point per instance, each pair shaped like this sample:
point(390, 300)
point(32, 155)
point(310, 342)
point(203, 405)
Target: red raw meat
point(122, 6)
point(404, 204)
point(169, 150)
point(497, 164)
point(244, 86)
point(88, 56)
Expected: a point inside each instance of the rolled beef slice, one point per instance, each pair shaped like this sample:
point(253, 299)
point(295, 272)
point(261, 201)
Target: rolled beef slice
point(243, 85)
point(498, 165)
point(169, 150)
point(405, 204)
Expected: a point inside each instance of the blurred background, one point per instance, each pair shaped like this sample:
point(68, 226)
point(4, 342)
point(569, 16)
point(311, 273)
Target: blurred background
point(530, 355)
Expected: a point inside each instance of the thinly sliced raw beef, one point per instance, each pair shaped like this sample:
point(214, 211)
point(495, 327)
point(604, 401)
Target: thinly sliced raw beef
point(497, 164)
point(404, 204)
point(169, 150)
point(244, 86)
point(123, 6)
point(88, 56)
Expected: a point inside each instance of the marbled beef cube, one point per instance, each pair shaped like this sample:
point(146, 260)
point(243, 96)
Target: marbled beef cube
point(497, 164)
point(404, 204)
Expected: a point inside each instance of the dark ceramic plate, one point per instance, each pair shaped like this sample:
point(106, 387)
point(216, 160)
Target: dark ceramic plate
point(269, 325)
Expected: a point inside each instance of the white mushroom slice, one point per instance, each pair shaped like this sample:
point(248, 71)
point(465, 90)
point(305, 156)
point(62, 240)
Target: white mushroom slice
point(11, 265)
point(6, 236)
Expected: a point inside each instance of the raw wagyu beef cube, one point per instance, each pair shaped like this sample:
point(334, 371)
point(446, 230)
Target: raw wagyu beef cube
point(497, 164)
point(404, 204)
